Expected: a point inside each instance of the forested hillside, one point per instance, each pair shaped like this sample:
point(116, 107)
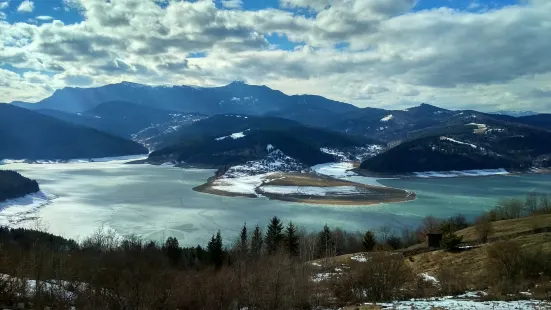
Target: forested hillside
point(14, 185)
point(235, 139)
point(26, 134)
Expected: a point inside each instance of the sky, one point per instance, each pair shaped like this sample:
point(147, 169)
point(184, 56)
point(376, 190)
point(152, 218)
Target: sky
point(477, 54)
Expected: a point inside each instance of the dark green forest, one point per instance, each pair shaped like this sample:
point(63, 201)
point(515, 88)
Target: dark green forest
point(14, 185)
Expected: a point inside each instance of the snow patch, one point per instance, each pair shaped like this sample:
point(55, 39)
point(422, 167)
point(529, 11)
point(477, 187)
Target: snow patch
point(336, 170)
point(241, 185)
point(313, 190)
point(454, 303)
point(359, 153)
point(429, 278)
point(15, 212)
point(387, 118)
point(320, 277)
point(235, 135)
point(359, 258)
point(459, 142)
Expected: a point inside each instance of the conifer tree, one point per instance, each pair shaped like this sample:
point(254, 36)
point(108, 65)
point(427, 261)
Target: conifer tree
point(172, 249)
point(215, 250)
point(369, 241)
point(244, 241)
point(256, 242)
point(291, 239)
point(325, 243)
point(274, 235)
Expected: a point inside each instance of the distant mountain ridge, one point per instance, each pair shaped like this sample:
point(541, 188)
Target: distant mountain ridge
point(237, 97)
point(183, 124)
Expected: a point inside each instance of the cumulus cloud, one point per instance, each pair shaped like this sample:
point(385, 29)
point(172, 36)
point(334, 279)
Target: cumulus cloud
point(232, 4)
point(26, 6)
point(4, 5)
point(44, 18)
point(393, 57)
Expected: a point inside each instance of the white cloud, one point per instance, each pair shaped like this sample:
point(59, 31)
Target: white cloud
point(4, 5)
point(394, 57)
point(232, 4)
point(26, 6)
point(44, 18)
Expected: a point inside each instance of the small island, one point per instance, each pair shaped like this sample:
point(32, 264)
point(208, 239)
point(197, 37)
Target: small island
point(311, 188)
point(14, 185)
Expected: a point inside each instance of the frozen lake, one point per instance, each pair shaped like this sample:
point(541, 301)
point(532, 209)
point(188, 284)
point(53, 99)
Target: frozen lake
point(157, 202)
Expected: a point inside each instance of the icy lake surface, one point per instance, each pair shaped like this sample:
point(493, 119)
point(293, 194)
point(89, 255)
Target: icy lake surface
point(156, 202)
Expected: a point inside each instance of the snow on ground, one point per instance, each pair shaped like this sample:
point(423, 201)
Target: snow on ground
point(244, 184)
point(336, 170)
point(245, 178)
point(54, 286)
point(359, 258)
point(320, 277)
point(341, 171)
point(459, 142)
point(463, 173)
point(313, 190)
point(116, 159)
point(358, 153)
point(429, 278)
point(235, 135)
point(478, 125)
point(15, 212)
point(387, 118)
point(459, 303)
point(276, 160)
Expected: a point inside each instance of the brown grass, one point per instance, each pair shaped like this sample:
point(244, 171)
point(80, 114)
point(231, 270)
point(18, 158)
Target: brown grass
point(506, 228)
point(307, 179)
point(473, 260)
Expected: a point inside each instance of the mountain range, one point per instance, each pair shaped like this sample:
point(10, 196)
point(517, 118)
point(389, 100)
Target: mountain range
point(235, 123)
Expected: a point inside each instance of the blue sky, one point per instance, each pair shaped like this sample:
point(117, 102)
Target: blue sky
point(484, 54)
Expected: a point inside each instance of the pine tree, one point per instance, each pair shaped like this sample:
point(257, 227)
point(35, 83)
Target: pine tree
point(369, 241)
point(291, 240)
point(256, 242)
point(172, 249)
point(325, 243)
point(274, 235)
point(243, 241)
point(215, 250)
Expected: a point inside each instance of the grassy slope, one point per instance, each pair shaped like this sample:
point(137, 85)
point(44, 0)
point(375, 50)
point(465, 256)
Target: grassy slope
point(430, 262)
point(510, 227)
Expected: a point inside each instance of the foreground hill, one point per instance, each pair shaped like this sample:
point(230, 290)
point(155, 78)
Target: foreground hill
point(26, 134)
point(236, 139)
point(14, 185)
point(491, 145)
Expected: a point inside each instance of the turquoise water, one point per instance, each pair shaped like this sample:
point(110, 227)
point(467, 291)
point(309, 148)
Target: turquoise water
point(157, 202)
